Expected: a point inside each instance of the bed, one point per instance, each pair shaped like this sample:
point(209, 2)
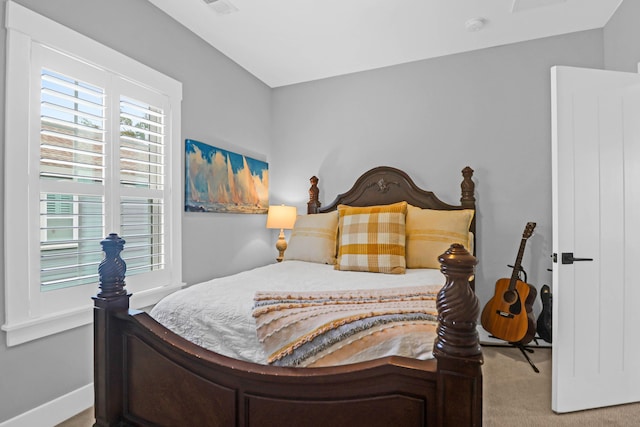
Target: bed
point(146, 374)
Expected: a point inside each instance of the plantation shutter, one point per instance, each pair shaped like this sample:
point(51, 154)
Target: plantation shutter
point(72, 173)
point(142, 182)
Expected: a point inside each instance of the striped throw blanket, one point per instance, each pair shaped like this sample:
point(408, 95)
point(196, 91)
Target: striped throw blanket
point(323, 329)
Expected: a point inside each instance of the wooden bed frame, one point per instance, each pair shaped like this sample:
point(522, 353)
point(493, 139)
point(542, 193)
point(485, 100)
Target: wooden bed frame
point(148, 376)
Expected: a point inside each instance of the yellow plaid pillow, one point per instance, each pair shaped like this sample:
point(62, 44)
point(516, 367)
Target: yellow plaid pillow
point(372, 238)
point(431, 232)
point(313, 238)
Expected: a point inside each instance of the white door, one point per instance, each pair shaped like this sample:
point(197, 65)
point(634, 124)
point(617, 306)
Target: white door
point(596, 214)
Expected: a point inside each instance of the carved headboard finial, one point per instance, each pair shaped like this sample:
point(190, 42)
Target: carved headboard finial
point(468, 200)
point(314, 204)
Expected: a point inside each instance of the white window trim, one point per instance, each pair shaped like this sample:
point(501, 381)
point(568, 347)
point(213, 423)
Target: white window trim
point(22, 321)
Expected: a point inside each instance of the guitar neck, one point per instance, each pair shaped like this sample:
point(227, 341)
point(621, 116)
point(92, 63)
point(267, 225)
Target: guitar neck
point(516, 267)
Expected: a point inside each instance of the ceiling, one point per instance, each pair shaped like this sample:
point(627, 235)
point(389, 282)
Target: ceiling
point(284, 42)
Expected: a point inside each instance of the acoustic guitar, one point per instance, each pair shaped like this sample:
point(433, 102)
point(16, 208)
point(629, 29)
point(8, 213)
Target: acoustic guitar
point(509, 313)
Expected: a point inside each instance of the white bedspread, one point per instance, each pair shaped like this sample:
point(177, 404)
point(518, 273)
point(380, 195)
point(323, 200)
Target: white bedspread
point(217, 314)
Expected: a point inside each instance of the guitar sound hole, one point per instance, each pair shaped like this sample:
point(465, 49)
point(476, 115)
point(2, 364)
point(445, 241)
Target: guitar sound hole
point(510, 297)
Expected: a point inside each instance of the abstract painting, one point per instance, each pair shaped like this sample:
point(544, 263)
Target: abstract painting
point(218, 180)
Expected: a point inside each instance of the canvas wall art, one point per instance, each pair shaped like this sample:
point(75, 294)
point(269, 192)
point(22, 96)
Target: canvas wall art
point(218, 180)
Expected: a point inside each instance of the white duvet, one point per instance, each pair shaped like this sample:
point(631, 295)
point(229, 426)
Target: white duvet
point(217, 314)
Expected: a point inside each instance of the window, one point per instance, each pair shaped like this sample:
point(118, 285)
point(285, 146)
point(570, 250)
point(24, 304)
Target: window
point(92, 147)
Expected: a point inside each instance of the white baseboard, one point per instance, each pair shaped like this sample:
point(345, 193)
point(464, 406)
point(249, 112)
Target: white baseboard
point(55, 411)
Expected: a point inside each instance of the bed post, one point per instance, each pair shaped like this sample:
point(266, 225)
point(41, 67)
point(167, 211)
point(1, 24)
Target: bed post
point(457, 347)
point(108, 364)
point(313, 206)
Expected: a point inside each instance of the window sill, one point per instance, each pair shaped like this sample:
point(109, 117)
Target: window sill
point(32, 329)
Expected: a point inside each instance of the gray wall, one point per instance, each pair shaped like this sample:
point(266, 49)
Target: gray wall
point(489, 109)
point(622, 38)
point(222, 105)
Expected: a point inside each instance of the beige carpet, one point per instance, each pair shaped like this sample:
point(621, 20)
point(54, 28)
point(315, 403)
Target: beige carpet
point(514, 395)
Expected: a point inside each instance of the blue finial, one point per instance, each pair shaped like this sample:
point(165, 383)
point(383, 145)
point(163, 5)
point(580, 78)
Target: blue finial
point(112, 269)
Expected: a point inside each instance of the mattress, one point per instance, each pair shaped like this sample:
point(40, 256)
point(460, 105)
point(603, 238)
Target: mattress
point(217, 314)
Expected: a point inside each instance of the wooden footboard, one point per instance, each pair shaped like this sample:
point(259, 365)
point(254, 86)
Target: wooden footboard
point(146, 375)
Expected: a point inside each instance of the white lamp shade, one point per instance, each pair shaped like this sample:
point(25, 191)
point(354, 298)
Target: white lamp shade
point(282, 217)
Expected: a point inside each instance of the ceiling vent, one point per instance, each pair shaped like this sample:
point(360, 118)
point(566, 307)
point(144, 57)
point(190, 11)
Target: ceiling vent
point(222, 7)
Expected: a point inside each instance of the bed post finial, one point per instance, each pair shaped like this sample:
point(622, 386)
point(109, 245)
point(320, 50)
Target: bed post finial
point(313, 206)
point(458, 307)
point(468, 200)
point(112, 268)
point(456, 346)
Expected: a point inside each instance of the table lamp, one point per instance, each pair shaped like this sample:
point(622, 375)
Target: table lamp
point(282, 217)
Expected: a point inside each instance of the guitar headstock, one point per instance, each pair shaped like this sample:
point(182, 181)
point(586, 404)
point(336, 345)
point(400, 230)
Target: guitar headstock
point(528, 230)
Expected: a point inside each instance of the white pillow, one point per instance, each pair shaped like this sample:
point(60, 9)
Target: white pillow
point(313, 238)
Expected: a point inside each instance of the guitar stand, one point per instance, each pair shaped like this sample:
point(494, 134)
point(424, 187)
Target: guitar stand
point(524, 349)
point(522, 275)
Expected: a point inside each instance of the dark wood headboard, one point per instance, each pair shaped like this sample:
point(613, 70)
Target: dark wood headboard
point(383, 185)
